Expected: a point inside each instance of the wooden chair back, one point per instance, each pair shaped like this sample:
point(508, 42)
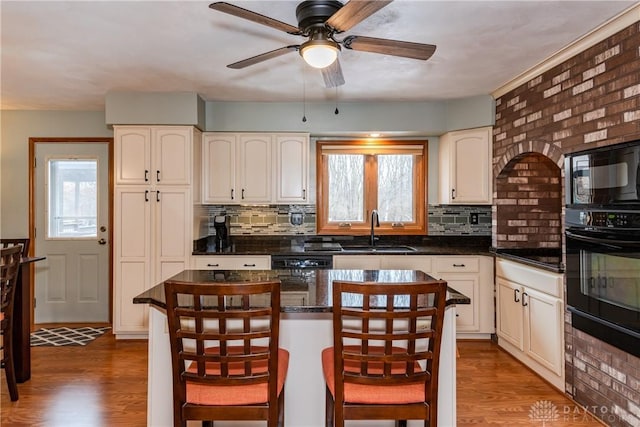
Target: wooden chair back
point(9, 267)
point(387, 335)
point(224, 335)
point(7, 243)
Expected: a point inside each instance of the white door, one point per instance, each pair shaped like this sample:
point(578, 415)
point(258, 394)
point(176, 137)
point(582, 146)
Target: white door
point(72, 229)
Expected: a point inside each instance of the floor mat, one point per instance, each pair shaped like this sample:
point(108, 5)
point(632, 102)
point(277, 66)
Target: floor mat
point(58, 337)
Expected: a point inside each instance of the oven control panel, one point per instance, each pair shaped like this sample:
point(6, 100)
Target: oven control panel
point(628, 220)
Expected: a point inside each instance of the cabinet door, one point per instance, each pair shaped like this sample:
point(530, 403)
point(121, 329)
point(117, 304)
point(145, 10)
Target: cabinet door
point(543, 329)
point(132, 253)
point(510, 321)
point(465, 167)
point(255, 168)
point(403, 262)
point(468, 319)
point(219, 168)
point(132, 155)
point(292, 160)
point(172, 230)
point(171, 150)
point(357, 262)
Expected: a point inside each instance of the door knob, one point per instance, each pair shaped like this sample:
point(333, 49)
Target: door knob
point(103, 228)
point(102, 242)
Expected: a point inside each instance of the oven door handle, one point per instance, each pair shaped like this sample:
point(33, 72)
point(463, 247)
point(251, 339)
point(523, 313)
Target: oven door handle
point(612, 243)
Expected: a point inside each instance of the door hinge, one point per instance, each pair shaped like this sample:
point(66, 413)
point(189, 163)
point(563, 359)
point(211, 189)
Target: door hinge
point(34, 162)
point(34, 303)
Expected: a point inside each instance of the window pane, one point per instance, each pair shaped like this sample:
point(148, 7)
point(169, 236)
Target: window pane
point(72, 196)
point(346, 187)
point(395, 187)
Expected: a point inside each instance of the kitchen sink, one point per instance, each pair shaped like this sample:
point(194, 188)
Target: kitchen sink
point(387, 249)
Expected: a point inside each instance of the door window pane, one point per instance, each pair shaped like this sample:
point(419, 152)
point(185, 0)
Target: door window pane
point(346, 187)
point(395, 187)
point(72, 198)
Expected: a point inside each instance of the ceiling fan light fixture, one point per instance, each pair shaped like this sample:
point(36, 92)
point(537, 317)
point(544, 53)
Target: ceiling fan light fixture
point(319, 53)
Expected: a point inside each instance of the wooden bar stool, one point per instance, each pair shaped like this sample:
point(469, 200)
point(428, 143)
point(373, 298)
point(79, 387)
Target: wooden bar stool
point(9, 267)
point(225, 357)
point(384, 362)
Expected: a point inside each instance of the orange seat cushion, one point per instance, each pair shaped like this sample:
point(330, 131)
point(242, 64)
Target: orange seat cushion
point(372, 394)
point(202, 394)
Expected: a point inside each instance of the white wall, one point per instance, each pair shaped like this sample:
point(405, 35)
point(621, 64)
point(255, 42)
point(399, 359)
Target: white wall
point(16, 129)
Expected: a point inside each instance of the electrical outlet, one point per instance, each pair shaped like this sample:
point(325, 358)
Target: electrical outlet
point(473, 218)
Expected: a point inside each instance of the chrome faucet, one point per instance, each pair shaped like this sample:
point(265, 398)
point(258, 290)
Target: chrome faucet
point(374, 214)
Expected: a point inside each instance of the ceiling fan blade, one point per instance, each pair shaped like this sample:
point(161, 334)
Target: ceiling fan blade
point(333, 75)
point(263, 57)
point(390, 47)
point(354, 12)
point(255, 17)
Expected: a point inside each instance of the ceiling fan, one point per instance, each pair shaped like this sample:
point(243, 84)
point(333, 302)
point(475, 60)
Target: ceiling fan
point(320, 21)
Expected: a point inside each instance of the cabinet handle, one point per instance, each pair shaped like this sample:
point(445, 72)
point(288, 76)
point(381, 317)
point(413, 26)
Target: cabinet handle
point(213, 265)
point(146, 175)
point(157, 176)
point(232, 194)
point(249, 265)
point(453, 193)
point(304, 194)
point(524, 304)
point(146, 195)
point(243, 194)
point(157, 196)
point(515, 295)
point(458, 265)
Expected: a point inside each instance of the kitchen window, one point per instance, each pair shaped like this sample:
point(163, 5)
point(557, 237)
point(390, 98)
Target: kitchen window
point(356, 177)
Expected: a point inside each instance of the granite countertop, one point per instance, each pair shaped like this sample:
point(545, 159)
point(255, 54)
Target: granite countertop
point(318, 245)
point(547, 259)
point(303, 291)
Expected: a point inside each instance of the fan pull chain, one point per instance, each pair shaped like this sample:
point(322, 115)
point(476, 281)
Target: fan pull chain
point(304, 95)
point(336, 111)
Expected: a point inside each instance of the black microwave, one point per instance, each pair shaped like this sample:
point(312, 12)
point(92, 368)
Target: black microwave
point(606, 176)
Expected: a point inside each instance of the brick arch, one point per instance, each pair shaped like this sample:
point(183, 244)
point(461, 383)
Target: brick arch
point(547, 149)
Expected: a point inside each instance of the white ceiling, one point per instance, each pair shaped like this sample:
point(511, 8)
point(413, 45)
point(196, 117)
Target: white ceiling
point(68, 55)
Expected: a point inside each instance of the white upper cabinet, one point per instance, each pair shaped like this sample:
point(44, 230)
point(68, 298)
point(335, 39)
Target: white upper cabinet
point(153, 155)
point(292, 168)
point(218, 167)
point(465, 167)
point(254, 168)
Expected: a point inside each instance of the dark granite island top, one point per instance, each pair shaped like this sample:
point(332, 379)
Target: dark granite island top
point(303, 291)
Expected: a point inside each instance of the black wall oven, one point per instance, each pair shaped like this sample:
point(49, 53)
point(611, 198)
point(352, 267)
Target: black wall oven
point(603, 274)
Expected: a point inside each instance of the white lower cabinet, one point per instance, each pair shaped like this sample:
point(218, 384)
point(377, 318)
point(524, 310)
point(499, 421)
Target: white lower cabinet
point(231, 262)
point(152, 243)
point(470, 275)
point(529, 318)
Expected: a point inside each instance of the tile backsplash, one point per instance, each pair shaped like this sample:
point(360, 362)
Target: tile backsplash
point(269, 220)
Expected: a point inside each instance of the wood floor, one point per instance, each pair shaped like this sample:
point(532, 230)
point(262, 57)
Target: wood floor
point(104, 384)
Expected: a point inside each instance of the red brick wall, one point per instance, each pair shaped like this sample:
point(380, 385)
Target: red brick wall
point(590, 100)
point(528, 205)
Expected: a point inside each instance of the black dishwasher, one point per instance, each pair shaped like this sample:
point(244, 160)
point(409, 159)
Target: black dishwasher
point(302, 261)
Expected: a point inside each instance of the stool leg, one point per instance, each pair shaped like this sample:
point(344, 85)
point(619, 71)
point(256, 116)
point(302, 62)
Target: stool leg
point(9, 368)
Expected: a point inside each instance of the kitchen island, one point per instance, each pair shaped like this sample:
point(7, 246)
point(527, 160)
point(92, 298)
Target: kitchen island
point(305, 329)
